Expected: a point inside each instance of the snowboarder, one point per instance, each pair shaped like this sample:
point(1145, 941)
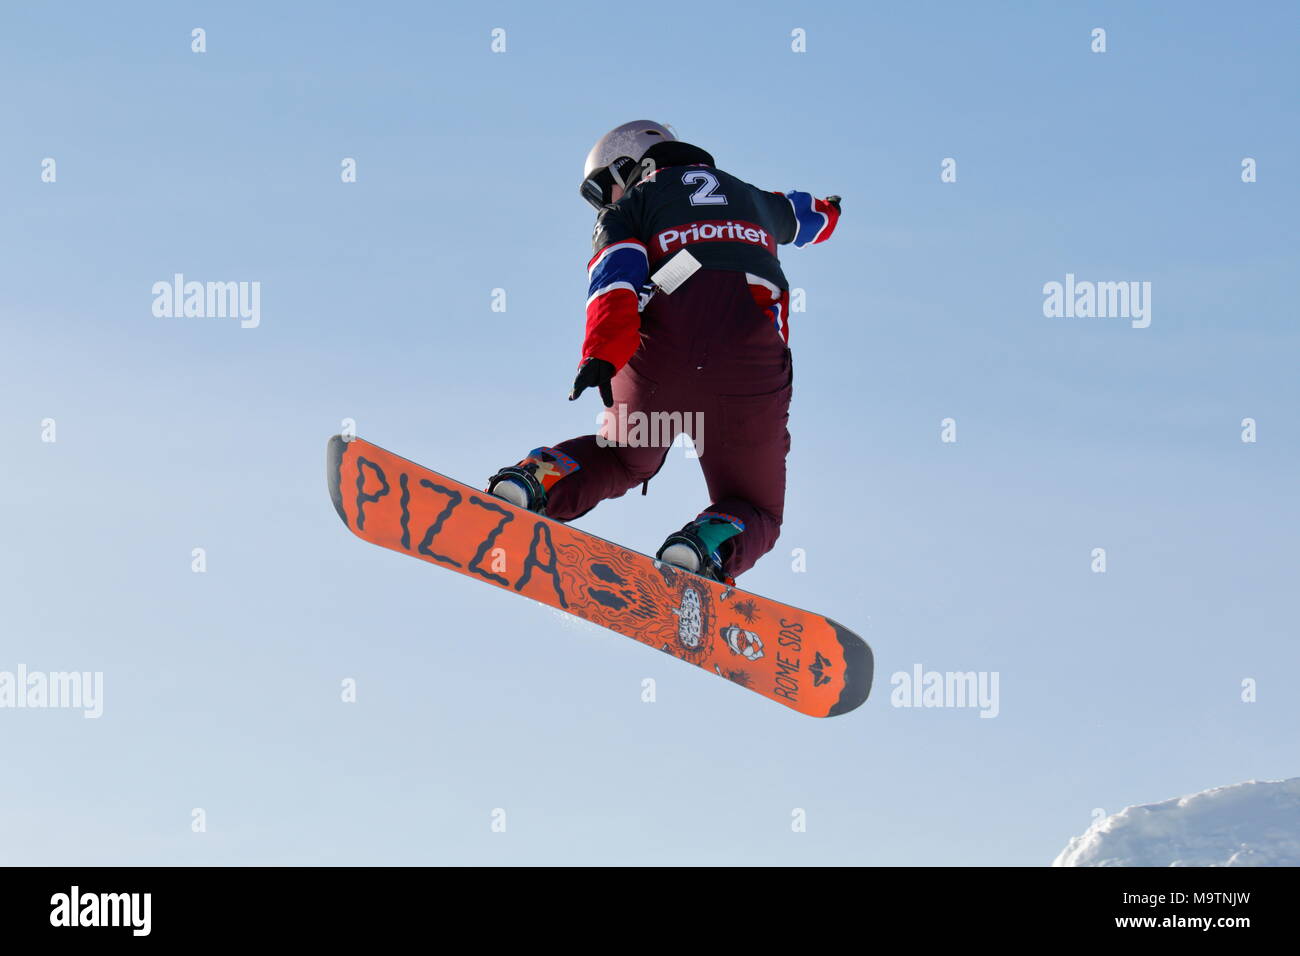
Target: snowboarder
point(715, 350)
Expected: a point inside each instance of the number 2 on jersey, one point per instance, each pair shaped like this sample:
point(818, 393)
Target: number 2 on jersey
point(706, 195)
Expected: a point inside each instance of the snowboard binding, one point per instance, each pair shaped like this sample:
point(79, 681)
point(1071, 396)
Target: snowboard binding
point(527, 484)
point(701, 546)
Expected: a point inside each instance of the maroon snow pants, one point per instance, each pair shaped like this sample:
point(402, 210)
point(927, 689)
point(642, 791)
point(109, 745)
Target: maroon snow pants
point(710, 353)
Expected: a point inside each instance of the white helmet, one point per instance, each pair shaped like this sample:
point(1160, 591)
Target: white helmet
point(630, 139)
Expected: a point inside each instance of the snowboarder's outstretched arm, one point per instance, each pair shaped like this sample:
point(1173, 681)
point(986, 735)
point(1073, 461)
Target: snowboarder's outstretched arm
point(805, 218)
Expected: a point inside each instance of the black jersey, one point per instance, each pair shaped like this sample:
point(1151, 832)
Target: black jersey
point(726, 222)
point(685, 202)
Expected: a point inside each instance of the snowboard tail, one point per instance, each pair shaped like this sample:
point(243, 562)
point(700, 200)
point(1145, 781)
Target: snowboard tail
point(802, 660)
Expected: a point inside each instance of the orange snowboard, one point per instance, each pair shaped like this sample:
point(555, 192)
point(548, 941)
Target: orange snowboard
point(802, 660)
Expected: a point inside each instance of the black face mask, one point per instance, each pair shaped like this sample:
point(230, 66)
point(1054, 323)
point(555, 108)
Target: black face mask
point(598, 188)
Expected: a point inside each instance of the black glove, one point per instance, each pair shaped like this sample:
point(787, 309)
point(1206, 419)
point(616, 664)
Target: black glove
point(594, 373)
point(834, 201)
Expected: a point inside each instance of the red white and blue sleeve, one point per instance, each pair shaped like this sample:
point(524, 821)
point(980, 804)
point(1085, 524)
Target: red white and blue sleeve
point(814, 219)
point(615, 275)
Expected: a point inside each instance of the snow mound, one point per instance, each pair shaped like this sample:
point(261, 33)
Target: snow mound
point(1256, 823)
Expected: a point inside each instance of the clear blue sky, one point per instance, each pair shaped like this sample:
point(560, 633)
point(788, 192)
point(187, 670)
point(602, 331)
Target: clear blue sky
point(222, 689)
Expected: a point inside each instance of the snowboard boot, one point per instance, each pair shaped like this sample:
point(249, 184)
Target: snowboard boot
point(701, 547)
point(526, 484)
